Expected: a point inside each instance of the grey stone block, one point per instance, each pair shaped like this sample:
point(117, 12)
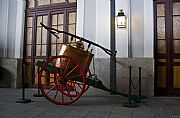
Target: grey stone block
point(102, 69)
point(10, 73)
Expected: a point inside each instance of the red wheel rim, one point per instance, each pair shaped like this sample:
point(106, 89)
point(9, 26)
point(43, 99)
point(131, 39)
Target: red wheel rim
point(67, 80)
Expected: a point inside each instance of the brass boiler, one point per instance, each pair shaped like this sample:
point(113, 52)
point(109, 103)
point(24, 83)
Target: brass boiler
point(76, 51)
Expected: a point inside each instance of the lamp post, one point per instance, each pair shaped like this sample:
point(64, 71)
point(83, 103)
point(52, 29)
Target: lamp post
point(113, 48)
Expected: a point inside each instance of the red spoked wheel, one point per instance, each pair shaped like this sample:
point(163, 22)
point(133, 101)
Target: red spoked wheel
point(66, 77)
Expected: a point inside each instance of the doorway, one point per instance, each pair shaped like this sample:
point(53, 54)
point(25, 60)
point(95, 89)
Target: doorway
point(167, 47)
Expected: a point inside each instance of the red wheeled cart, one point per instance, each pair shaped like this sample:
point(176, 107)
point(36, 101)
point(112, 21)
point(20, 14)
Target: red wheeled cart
point(69, 74)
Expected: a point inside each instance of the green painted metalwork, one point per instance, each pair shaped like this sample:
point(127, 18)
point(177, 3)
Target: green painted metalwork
point(96, 83)
point(91, 81)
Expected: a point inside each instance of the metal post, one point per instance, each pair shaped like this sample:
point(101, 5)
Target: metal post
point(129, 104)
point(129, 91)
point(23, 100)
point(129, 31)
point(38, 93)
point(113, 48)
point(139, 84)
point(23, 82)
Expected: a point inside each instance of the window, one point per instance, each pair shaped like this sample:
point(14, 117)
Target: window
point(36, 3)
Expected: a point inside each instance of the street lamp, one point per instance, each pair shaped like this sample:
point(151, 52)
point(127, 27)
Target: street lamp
point(121, 19)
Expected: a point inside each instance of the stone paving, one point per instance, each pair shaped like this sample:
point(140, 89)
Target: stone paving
point(86, 107)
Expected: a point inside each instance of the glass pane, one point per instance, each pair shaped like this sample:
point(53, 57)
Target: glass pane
point(176, 45)
point(176, 80)
point(176, 60)
point(31, 3)
point(72, 17)
point(43, 2)
point(45, 20)
point(43, 79)
point(53, 50)
point(43, 50)
point(60, 27)
point(60, 35)
point(161, 60)
point(29, 35)
point(176, 27)
point(161, 47)
point(60, 19)
point(44, 36)
point(72, 0)
point(176, 8)
point(38, 40)
point(161, 28)
point(36, 75)
point(71, 29)
point(52, 78)
point(161, 77)
point(53, 39)
point(55, 27)
point(60, 40)
point(39, 20)
point(59, 48)
point(29, 21)
point(57, 1)
point(160, 9)
point(38, 50)
point(54, 19)
point(28, 50)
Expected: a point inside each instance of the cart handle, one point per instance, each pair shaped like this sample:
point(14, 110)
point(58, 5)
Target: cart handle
point(55, 31)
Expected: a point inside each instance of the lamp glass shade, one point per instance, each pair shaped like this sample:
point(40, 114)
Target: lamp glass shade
point(121, 21)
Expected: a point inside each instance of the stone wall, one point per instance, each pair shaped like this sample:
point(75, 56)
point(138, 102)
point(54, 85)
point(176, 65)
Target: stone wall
point(122, 71)
point(10, 70)
point(11, 74)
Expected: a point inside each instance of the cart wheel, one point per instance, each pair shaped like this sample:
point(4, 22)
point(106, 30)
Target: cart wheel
point(66, 80)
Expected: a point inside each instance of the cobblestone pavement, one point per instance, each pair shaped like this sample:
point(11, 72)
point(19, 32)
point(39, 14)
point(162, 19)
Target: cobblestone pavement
point(85, 107)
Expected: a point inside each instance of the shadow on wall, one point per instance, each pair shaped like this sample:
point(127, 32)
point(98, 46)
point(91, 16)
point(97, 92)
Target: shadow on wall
point(1, 51)
point(5, 79)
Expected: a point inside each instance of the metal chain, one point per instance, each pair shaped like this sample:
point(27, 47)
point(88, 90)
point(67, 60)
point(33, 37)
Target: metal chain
point(134, 85)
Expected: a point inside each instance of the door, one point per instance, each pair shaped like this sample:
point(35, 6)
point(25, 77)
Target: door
point(40, 44)
point(167, 47)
